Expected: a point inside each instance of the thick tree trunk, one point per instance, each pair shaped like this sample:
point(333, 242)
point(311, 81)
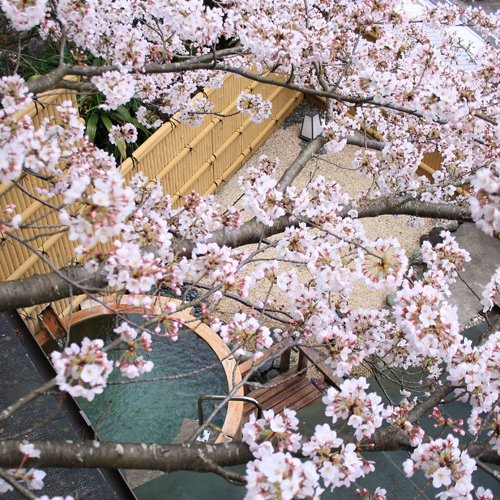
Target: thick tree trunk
point(44, 288)
point(196, 457)
point(96, 454)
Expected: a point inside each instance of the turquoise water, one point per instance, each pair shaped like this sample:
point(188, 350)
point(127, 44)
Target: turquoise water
point(152, 411)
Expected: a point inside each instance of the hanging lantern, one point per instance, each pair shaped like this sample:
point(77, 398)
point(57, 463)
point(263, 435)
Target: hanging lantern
point(311, 126)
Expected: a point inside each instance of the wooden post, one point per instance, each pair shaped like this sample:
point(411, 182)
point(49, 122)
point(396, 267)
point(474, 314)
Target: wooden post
point(302, 364)
point(285, 361)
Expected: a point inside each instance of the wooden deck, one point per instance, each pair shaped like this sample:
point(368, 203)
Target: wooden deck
point(291, 389)
point(288, 390)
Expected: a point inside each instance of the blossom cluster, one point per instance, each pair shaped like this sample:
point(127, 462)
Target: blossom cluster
point(254, 106)
point(485, 204)
point(429, 323)
point(83, 370)
point(400, 418)
point(117, 87)
point(23, 147)
point(271, 430)
point(125, 133)
point(132, 365)
point(338, 464)
point(24, 15)
point(444, 463)
point(447, 256)
point(263, 198)
point(280, 475)
point(242, 330)
point(478, 369)
point(491, 293)
point(15, 95)
point(147, 118)
point(134, 270)
point(365, 412)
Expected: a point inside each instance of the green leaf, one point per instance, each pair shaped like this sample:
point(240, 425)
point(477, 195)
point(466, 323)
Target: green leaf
point(121, 146)
point(127, 117)
point(107, 122)
point(141, 127)
point(124, 113)
point(91, 128)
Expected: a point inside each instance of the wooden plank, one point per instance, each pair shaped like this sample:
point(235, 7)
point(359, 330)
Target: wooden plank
point(43, 336)
point(318, 361)
point(303, 395)
point(274, 396)
point(280, 379)
point(313, 396)
point(300, 399)
point(311, 399)
point(247, 365)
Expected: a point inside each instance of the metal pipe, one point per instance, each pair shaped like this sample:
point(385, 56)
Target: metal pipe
point(245, 399)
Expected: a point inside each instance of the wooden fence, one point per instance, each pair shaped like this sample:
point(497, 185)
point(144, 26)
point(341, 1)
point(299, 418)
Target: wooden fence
point(431, 161)
point(183, 158)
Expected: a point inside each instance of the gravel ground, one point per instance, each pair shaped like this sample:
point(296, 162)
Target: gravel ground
point(285, 144)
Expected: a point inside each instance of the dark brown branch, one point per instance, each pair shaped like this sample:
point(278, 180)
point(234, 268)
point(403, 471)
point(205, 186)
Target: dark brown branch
point(300, 162)
point(54, 79)
point(406, 205)
point(197, 457)
point(96, 454)
point(44, 288)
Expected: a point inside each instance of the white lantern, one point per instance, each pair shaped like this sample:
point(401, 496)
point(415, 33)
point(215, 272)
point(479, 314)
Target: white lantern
point(311, 126)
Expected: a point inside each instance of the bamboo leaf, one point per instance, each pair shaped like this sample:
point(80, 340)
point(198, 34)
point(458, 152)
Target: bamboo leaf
point(107, 122)
point(124, 114)
point(91, 128)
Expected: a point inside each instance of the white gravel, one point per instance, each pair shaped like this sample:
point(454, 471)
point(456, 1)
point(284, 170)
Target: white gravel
point(285, 144)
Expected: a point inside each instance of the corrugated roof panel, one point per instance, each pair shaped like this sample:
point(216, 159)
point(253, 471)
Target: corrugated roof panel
point(416, 9)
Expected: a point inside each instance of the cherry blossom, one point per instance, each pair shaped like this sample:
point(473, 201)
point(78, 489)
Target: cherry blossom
point(24, 15)
point(273, 429)
point(147, 118)
point(83, 370)
point(483, 494)
point(254, 106)
point(365, 412)
point(29, 450)
point(491, 294)
point(387, 83)
point(117, 87)
point(132, 365)
point(380, 494)
point(444, 463)
point(32, 479)
point(242, 330)
point(446, 256)
point(127, 133)
point(279, 475)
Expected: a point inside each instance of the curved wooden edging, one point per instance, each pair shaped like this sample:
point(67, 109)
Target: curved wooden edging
point(234, 409)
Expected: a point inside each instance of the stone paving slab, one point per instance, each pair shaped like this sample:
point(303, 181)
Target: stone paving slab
point(485, 259)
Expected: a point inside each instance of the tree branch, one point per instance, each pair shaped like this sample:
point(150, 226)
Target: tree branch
point(406, 205)
point(44, 288)
point(16, 485)
point(199, 457)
